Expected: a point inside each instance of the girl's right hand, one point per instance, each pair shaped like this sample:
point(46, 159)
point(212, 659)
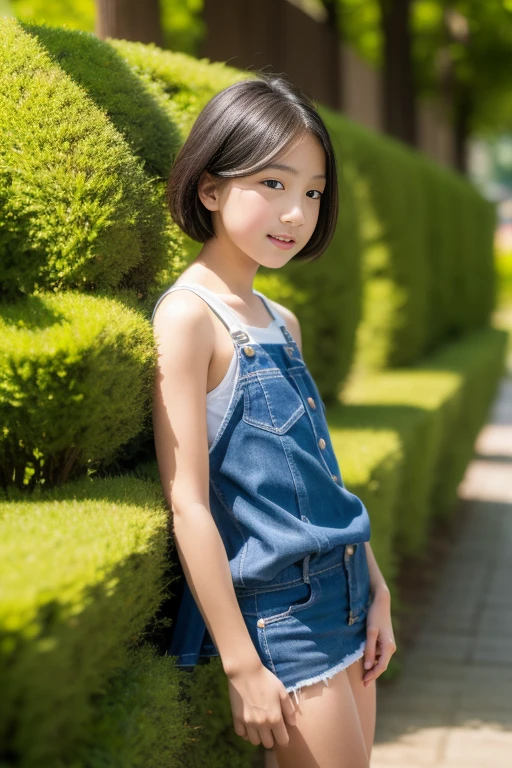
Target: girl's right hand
point(260, 705)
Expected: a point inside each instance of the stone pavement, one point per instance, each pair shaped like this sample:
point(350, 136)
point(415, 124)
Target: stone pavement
point(452, 706)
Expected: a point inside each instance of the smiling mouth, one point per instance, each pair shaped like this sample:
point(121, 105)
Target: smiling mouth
point(283, 239)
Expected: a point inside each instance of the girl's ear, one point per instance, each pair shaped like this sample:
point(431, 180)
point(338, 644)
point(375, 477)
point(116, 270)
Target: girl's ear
point(207, 191)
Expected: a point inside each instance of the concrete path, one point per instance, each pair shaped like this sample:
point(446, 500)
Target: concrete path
point(452, 706)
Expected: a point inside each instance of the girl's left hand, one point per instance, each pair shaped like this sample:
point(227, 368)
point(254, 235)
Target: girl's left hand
point(380, 640)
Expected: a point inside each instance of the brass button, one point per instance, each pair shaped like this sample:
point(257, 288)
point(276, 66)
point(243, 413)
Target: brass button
point(335, 478)
point(351, 620)
point(349, 549)
point(261, 622)
point(322, 443)
point(312, 403)
point(290, 351)
point(249, 351)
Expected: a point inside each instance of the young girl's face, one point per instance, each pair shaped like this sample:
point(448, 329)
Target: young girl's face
point(282, 201)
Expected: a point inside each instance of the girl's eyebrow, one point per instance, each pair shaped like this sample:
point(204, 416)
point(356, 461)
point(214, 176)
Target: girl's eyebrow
point(281, 167)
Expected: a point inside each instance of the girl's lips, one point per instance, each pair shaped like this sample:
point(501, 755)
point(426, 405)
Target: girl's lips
point(281, 244)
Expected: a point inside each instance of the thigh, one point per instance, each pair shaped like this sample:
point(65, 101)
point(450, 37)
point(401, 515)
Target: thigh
point(327, 733)
point(366, 701)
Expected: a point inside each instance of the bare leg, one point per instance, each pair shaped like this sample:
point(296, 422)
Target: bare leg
point(328, 732)
point(366, 702)
point(271, 759)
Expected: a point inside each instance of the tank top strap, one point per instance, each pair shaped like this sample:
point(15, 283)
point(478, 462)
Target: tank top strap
point(276, 315)
point(273, 311)
point(234, 325)
point(223, 312)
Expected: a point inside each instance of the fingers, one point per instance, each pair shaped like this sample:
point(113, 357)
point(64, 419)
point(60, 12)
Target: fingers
point(371, 641)
point(287, 707)
point(277, 733)
point(240, 729)
point(388, 649)
point(254, 735)
point(272, 728)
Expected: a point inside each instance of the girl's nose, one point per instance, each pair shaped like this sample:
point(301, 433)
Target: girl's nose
point(294, 216)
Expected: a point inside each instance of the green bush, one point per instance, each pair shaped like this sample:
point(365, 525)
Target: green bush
point(79, 211)
point(435, 410)
point(140, 719)
point(82, 570)
point(76, 379)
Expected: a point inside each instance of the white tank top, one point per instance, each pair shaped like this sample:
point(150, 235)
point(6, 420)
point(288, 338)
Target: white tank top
point(218, 399)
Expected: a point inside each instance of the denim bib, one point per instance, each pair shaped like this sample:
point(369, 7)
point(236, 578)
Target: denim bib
point(275, 491)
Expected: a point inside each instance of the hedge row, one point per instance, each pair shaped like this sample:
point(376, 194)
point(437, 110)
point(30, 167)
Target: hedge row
point(83, 570)
point(427, 252)
point(76, 376)
point(434, 410)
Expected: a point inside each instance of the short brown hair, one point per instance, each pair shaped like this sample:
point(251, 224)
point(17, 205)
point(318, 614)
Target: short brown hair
point(238, 133)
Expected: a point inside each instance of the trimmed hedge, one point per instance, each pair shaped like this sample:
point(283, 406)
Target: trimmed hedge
point(76, 379)
point(427, 252)
point(435, 410)
point(140, 718)
point(79, 211)
point(83, 571)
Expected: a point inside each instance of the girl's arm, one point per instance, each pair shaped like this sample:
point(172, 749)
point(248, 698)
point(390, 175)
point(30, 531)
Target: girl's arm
point(185, 343)
point(379, 587)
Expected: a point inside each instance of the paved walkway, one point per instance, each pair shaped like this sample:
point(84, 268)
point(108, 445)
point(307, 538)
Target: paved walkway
point(452, 706)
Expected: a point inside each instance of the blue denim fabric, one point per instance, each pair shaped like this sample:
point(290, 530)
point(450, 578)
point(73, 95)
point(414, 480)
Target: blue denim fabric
point(311, 622)
point(276, 491)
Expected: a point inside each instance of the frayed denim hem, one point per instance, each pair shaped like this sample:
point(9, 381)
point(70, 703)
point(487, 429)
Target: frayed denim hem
point(347, 661)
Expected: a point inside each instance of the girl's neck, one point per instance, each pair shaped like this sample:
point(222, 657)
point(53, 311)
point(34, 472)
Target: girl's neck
point(220, 279)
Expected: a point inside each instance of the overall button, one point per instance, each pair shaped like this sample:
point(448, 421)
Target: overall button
point(261, 622)
point(249, 351)
point(290, 351)
point(335, 478)
point(322, 443)
point(349, 549)
point(312, 403)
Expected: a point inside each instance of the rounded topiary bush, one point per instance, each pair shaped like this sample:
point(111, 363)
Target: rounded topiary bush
point(79, 210)
point(76, 376)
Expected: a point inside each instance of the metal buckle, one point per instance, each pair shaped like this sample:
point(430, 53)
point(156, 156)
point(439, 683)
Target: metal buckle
point(240, 336)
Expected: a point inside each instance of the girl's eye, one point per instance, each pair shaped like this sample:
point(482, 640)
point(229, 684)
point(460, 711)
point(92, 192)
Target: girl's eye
point(275, 181)
point(272, 181)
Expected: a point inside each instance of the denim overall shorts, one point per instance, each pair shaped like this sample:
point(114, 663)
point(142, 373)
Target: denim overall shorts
point(294, 535)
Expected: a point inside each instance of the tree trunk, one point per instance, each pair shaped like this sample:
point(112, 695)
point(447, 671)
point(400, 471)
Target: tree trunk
point(333, 21)
point(463, 112)
point(398, 91)
point(129, 20)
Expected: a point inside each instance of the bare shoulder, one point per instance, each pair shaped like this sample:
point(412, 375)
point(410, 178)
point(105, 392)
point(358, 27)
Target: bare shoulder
point(291, 320)
point(181, 317)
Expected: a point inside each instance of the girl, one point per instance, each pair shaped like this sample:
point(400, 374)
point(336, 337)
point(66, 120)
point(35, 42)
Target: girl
point(280, 579)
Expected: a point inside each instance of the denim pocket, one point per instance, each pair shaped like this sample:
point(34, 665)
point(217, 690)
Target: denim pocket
point(280, 604)
point(271, 402)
